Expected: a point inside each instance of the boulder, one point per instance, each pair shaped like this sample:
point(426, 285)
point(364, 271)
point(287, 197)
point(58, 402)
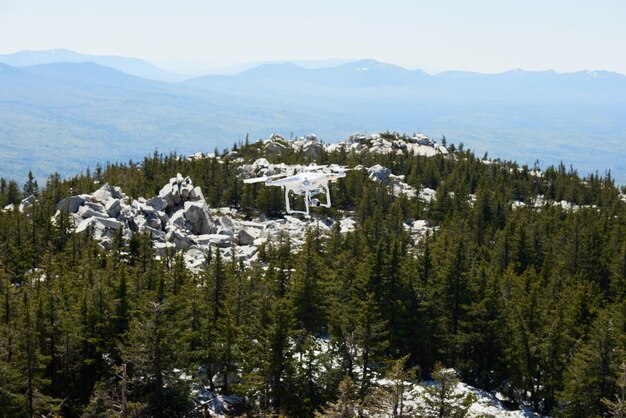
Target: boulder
point(26, 203)
point(194, 257)
point(161, 248)
point(197, 194)
point(177, 220)
point(246, 252)
point(137, 222)
point(113, 207)
point(116, 192)
point(147, 210)
point(225, 231)
point(83, 225)
point(380, 173)
point(109, 223)
point(176, 195)
point(103, 194)
point(154, 233)
point(312, 149)
point(88, 212)
point(181, 241)
point(97, 207)
point(166, 194)
point(157, 202)
point(99, 229)
point(71, 204)
point(213, 239)
point(163, 217)
point(245, 237)
point(185, 191)
point(153, 221)
point(275, 147)
point(197, 213)
point(260, 163)
point(106, 244)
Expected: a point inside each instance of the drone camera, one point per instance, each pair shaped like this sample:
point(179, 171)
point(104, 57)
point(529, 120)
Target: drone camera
point(316, 202)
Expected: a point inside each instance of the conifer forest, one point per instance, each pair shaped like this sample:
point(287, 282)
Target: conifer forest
point(500, 293)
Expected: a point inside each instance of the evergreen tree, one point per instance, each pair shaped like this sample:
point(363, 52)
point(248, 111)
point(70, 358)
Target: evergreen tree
point(440, 400)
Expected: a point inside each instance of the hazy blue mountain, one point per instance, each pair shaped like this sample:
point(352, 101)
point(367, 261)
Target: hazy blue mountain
point(65, 116)
point(244, 66)
point(133, 66)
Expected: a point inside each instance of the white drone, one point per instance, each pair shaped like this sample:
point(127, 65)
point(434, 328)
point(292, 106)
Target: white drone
point(306, 181)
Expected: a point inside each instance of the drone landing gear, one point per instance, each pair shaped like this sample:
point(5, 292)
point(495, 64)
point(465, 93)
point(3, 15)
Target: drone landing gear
point(309, 200)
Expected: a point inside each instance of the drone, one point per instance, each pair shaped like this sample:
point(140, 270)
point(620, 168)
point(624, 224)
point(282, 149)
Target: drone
point(305, 181)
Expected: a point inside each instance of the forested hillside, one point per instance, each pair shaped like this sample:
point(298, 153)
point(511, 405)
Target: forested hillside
point(519, 286)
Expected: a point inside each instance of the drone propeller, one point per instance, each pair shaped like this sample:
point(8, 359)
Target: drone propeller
point(263, 178)
point(313, 167)
point(334, 168)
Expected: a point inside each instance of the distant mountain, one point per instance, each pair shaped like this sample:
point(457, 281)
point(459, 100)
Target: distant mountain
point(133, 66)
point(361, 73)
point(63, 116)
point(244, 66)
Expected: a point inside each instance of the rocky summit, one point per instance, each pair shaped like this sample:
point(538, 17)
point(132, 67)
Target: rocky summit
point(179, 219)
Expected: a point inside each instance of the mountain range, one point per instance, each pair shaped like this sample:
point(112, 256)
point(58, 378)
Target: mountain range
point(63, 111)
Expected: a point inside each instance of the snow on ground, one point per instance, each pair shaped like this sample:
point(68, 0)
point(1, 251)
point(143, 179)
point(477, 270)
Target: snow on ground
point(540, 202)
point(317, 354)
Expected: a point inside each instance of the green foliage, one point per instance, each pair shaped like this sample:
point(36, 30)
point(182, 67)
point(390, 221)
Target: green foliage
point(439, 400)
point(525, 300)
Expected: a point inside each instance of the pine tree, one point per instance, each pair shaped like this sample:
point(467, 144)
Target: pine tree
point(617, 408)
point(439, 400)
point(590, 375)
point(347, 405)
point(390, 399)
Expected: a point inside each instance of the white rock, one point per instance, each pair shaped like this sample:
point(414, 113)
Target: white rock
point(213, 239)
point(113, 207)
point(198, 214)
point(166, 194)
point(97, 207)
point(246, 252)
point(246, 237)
point(260, 163)
point(109, 223)
point(380, 173)
point(185, 191)
point(153, 221)
point(155, 233)
point(26, 203)
point(106, 244)
point(427, 194)
point(225, 231)
point(83, 225)
point(157, 202)
point(103, 194)
point(181, 240)
point(71, 204)
point(194, 257)
point(116, 192)
point(177, 220)
point(88, 212)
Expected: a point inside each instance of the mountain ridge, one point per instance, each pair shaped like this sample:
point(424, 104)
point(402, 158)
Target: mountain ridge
point(63, 116)
point(129, 65)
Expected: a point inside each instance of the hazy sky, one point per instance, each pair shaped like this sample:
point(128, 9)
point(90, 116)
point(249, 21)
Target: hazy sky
point(478, 35)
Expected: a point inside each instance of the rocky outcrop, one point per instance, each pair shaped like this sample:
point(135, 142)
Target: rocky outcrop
point(178, 218)
point(177, 215)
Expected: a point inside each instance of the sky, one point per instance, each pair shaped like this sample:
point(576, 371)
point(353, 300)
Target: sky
point(479, 35)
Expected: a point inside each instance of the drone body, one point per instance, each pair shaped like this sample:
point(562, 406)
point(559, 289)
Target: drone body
point(308, 182)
